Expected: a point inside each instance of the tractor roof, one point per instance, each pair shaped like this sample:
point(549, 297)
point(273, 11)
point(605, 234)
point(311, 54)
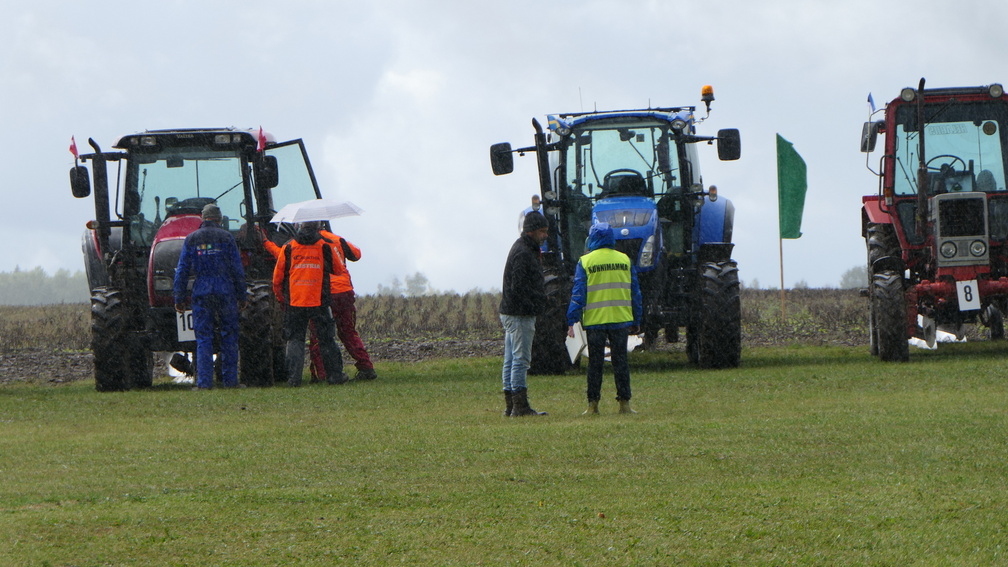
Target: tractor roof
point(186, 137)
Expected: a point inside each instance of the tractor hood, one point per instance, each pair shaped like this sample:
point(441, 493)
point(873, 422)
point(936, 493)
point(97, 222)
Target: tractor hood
point(164, 257)
point(634, 222)
point(629, 217)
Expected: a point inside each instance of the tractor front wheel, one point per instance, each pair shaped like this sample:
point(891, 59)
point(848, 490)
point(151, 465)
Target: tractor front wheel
point(720, 336)
point(889, 315)
point(110, 340)
point(255, 347)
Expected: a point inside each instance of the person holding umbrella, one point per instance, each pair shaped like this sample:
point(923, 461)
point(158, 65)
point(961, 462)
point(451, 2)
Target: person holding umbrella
point(301, 283)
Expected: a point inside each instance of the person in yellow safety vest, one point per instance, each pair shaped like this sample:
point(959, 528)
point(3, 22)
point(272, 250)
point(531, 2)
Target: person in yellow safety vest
point(606, 299)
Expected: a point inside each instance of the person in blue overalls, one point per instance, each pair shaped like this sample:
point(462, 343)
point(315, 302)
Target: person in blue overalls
point(211, 255)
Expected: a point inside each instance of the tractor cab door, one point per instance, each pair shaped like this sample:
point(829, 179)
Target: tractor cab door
point(295, 179)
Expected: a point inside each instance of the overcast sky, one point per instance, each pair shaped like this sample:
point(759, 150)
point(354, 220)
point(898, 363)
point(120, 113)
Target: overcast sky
point(398, 103)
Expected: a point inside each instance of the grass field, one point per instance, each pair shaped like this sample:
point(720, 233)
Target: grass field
point(811, 455)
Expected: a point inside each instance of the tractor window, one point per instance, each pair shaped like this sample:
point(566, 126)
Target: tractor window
point(964, 145)
point(183, 180)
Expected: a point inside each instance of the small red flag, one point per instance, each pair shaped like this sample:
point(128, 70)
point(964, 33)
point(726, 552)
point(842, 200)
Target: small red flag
point(73, 147)
point(262, 141)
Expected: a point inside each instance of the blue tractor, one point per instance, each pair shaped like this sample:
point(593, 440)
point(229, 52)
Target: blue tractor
point(639, 171)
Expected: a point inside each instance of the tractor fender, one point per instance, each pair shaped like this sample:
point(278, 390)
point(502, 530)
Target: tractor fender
point(94, 262)
point(872, 213)
point(888, 263)
point(715, 222)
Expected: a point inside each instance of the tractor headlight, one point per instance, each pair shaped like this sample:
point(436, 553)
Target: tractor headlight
point(908, 94)
point(162, 283)
point(678, 124)
point(647, 253)
point(978, 248)
point(948, 249)
point(995, 90)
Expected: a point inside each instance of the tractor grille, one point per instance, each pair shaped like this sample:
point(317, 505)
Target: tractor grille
point(961, 217)
point(630, 247)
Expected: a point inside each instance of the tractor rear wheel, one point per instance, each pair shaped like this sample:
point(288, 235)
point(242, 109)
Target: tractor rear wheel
point(110, 340)
point(720, 336)
point(549, 346)
point(889, 314)
point(255, 337)
point(995, 322)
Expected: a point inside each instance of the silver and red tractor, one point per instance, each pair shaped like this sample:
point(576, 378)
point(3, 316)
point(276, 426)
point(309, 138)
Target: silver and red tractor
point(160, 181)
point(937, 230)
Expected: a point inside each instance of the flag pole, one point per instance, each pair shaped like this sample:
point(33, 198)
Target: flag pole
point(780, 242)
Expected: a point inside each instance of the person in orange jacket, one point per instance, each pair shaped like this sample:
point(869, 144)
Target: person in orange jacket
point(301, 282)
point(342, 302)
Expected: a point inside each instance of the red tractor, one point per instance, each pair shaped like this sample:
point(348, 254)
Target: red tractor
point(163, 179)
point(937, 231)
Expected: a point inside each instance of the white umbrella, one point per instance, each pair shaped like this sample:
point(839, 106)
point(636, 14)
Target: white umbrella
point(316, 210)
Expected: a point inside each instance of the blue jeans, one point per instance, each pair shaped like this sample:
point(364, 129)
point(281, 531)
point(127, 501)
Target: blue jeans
point(518, 333)
point(216, 313)
point(617, 338)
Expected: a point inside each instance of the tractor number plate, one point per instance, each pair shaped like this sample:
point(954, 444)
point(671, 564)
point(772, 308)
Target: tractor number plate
point(969, 295)
point(184, 324)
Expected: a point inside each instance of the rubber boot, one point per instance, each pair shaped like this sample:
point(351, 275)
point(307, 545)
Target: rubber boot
point(521, 406)
point(508, 402)
point(624, 406)
point(592, 408)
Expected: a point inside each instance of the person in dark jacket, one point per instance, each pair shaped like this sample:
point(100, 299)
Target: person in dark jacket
point(301, 282)
point(523, 297)
point(606, 300)
point(210, 254)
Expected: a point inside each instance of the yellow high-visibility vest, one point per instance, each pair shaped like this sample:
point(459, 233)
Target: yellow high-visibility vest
point(608, 299)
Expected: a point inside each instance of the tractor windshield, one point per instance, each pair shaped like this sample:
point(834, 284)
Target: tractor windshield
point(964, 146)
point(607, 158)
point(182, 180)
point(611, 159)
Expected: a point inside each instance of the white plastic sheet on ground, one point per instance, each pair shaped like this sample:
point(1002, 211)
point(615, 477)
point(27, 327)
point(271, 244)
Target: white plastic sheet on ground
point(577, 346)
point(940, 337)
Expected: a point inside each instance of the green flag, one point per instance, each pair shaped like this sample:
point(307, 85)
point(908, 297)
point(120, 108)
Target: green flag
point(791, 185)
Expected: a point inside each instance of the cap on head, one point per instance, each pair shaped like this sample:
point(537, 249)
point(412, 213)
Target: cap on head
point(211, 212)
point(534, 221)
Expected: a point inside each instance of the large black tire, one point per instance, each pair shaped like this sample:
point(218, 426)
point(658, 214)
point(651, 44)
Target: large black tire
point(880, 242)
point(110, 340)
point(719, 340)
point(889, 313)
point(549, 346)
point(255, 360)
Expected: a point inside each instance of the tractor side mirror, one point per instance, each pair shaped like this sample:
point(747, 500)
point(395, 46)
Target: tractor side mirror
point(80, 183)
point(869, 134)
point(501, 159)
point(729, 144)
point(267, 172)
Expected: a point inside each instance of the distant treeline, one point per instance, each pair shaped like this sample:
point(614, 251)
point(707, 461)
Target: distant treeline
point(35, 287)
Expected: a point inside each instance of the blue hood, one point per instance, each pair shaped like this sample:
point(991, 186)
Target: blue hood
point(601, 236)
